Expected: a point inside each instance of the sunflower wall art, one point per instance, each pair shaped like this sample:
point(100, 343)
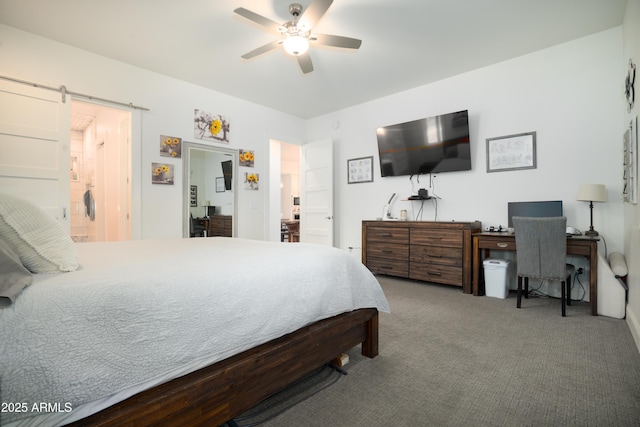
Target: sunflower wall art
point(161, 173)
point(246, 158)
point(170, 146)
point(251, 181)
point(210, 126)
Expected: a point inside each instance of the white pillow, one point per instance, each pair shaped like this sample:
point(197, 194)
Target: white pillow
point(618, 264)
point(39, 240)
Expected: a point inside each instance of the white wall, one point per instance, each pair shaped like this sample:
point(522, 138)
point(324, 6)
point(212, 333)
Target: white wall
point(631, 36)
point(570, 95)
point(171, 102)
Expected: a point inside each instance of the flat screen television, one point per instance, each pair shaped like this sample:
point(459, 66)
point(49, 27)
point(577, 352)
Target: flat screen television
point(227, 172)
point(535, 209)
point(431, 145)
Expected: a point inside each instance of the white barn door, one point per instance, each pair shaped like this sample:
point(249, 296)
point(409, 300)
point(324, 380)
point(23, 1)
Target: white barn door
point(34, 147)
point(316, 193)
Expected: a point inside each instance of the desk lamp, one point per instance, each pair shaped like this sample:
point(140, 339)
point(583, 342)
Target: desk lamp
point(592, 193)
point(206, 204)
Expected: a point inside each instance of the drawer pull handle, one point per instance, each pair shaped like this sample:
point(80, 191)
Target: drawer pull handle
point(502, 245)
point(434, 273)
point(434, 256)
point(388, 251)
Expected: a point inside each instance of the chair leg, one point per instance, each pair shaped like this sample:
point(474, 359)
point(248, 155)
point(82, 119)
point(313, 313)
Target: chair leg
point(563, 293)
point(519, 291)
point(526, 287)
point(568, 290)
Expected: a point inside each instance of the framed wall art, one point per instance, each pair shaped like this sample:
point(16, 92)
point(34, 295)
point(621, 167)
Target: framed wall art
point(220, 184)
point(630, 163)
point(360, 170)
point(193, 196)
point(511, 152)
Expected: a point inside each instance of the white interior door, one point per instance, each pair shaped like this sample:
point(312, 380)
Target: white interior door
point(34, 142)
point(316, 193)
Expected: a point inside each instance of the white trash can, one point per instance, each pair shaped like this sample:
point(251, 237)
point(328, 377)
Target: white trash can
point(496, 272)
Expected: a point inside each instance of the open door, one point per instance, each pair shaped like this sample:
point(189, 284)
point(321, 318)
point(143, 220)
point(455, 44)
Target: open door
point(34, 141)
point(316, 193)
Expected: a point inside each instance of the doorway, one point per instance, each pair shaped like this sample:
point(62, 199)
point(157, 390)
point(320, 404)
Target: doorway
point(100, 173)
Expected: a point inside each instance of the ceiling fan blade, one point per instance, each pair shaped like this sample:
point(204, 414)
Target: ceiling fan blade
point(313, 13)
point(304, 61)
point(336, 41)
point(262, 49)
point(259, 19)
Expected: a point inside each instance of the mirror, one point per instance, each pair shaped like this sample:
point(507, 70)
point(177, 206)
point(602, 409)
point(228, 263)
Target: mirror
point(209, 190)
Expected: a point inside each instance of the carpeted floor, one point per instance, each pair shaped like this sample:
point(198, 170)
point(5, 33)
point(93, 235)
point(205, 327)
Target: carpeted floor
point(451, 359)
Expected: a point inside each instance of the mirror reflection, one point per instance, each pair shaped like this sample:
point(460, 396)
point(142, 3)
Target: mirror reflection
point(210, 196)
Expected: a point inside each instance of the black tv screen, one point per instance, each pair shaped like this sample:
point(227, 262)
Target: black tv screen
point(533, 209)
point(431, 145)
point(227, 172)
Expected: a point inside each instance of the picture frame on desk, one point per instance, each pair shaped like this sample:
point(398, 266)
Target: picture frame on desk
point(511, 152)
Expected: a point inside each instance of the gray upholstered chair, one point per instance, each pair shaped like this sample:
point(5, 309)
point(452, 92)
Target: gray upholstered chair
point(541, 252)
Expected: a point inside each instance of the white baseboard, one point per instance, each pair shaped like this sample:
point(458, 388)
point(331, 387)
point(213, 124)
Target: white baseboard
point(634, 326)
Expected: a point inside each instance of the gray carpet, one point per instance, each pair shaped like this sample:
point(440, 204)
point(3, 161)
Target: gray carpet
point(450, 359)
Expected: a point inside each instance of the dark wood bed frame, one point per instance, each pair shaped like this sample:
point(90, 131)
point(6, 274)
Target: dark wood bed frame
point(217, 393)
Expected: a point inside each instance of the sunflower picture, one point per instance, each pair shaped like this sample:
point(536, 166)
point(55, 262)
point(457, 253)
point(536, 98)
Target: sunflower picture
point(251, 181)
point(161, 173)
point(170, 146)
point(210, 126)
point(246, 158)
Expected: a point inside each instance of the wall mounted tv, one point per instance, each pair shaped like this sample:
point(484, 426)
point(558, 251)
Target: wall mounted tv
point(227, 172)
point(431, 145)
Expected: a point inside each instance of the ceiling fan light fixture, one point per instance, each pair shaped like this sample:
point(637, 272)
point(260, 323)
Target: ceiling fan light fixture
point(296, 45)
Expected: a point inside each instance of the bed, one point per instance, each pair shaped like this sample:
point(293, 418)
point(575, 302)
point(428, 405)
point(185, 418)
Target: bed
point(187, 331)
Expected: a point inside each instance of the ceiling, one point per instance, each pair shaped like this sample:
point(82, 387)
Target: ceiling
point(406, 43)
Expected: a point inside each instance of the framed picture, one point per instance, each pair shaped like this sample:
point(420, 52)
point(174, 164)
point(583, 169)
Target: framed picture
point(360, 170)
point(210, 126)
point(511, 152)
point(630, 163)
point(170, 146)
point(193, 196)
point(220, 184)
point(162, 173)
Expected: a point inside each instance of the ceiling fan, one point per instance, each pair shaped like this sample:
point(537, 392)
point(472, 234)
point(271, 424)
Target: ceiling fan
point(296, 35)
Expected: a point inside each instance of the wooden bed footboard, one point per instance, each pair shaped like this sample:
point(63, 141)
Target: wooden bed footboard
point(215, 394)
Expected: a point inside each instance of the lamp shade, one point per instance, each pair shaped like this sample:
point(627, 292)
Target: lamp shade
point(296, 45)
point(592, 193)
point(206, 203)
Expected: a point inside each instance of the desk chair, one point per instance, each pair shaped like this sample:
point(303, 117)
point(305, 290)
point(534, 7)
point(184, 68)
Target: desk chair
point(541, 251)
point(294, 231)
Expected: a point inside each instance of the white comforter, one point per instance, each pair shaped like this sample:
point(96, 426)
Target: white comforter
point(141, 312)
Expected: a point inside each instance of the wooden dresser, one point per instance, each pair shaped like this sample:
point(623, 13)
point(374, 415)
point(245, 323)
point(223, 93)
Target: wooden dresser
point(215, 225)
point(220, 225)
point(431, 251)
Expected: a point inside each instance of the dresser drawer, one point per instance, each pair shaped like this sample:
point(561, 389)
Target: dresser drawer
point(388, 235)
point(436, 237)
point(388, 251)
point(388, 266)
point(436, 273)
point(497, 244)
point(436, 255)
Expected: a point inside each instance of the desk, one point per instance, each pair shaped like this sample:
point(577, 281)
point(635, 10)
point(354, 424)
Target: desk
point(576, 245)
